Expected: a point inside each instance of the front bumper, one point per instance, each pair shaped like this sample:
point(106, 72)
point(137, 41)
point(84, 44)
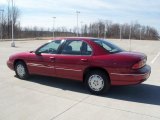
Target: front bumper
point(10, 65)
point(137, 77)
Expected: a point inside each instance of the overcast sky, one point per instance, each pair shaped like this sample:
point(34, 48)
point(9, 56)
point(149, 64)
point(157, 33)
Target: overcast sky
point(40, 12)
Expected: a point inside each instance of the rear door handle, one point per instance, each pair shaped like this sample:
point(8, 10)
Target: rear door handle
point(84, 60)
point(52, 59)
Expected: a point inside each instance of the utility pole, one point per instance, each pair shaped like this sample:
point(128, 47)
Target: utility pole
point(1, 23)
point(13, 43)
point(53, 26)
point(78, 12)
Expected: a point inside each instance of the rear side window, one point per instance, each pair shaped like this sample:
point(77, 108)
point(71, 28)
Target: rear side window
point(76, 47)
point(110, 47)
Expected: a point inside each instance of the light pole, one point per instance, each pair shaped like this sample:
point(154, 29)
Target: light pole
point(13, 43)
point(140, 33)
point(98, 30)
point(120, 32)
point(105, 29)
point(53, 25)
point(2, 24)
point(77, 22)
point(130, 33)
point(81, 28)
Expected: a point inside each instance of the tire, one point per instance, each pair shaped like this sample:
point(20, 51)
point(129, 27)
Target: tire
point(21, 70)
point(97, 82)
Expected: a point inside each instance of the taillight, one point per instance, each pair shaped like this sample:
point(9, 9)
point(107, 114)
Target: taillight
point(140, 64)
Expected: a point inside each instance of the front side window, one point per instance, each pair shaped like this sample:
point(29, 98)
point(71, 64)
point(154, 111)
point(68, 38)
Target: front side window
point(76, 47)
point(50, 47)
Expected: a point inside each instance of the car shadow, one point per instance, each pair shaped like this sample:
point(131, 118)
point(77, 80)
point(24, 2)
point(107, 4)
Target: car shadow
point(64, 84)
point(142, 93)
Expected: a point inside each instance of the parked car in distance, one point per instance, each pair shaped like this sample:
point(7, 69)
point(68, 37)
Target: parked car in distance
point(96, 62)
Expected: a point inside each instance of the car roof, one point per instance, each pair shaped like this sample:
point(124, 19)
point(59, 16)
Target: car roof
point(74, 38)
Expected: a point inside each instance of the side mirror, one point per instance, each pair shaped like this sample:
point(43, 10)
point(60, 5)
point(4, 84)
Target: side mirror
point(37, 53)
point(32, 51)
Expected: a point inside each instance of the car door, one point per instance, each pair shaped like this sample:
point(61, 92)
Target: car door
point(74, 58)
point(42, 61)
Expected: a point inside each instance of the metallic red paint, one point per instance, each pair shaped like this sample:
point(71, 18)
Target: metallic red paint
point(117, 65)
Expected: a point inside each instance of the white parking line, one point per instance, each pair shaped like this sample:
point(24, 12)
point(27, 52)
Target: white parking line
point(155, 58)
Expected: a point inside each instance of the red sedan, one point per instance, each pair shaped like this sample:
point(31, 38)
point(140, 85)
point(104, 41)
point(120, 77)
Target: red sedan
point(96, 62)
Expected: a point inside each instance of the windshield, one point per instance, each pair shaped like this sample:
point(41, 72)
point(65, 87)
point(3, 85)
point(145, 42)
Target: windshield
point(110, 47)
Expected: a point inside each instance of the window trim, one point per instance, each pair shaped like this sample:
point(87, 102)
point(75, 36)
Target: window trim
point(103, 40)
point(60, 52)
point(58, 49)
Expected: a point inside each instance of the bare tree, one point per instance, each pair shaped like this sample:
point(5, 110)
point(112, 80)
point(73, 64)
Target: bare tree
point(113, 30)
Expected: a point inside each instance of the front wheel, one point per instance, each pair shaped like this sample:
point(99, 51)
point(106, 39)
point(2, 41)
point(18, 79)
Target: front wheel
point(97, 82)
point(21, 70)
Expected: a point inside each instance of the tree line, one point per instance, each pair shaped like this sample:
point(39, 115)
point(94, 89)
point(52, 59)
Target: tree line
point(120, 31)
point(101, 29)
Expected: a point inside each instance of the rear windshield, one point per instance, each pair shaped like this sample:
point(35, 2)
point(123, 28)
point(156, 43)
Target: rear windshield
point(110, 47)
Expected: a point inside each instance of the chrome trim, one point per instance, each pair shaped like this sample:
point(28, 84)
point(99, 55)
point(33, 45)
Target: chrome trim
point(129, 74)
point(39, 65)
point(68, 69)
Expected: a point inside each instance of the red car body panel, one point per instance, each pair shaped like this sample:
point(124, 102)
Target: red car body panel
point(117, 65)
point(71, 67)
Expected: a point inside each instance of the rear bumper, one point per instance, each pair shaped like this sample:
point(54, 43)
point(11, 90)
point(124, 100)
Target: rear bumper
point(137, 77)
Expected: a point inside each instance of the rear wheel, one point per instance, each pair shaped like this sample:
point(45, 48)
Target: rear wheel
point(21, 70)
point(97, 82)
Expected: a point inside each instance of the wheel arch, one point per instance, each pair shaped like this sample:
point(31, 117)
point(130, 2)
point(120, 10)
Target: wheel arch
point(19, 60)
point(89, 69)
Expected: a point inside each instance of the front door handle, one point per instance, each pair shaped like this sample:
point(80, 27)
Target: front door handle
point(84, 60)
point(52, 59)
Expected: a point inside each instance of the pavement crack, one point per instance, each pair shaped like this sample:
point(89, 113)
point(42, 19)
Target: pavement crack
point(106, 107)
point(69, 108)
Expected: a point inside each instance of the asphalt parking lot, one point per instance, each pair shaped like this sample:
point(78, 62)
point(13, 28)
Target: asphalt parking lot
point(46, 98)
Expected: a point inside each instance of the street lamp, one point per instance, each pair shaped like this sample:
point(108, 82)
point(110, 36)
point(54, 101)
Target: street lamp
point(77, 22)
point(105, 30)
point(130, 33)
point(120, 32)
point(98, 30)
point(1, 23)
point(81, 28)
point(53, 25)
point(140, 33)
point(13, 43)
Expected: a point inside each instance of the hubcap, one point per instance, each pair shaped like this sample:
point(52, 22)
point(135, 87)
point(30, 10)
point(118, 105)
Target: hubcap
point(20, 70)
point(96, 82)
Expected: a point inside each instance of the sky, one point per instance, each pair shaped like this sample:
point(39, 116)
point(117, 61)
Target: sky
point(41, 12)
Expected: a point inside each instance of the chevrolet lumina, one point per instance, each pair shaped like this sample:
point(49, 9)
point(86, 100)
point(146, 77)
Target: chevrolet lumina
point(98, 63)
